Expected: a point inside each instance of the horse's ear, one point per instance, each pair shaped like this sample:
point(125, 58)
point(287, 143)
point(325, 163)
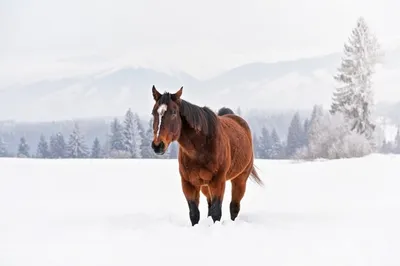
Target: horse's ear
point(156, 94)
point(177, 95)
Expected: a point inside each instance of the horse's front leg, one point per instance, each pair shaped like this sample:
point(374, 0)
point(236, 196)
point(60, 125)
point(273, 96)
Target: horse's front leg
point(192, 195)
point(217, 190)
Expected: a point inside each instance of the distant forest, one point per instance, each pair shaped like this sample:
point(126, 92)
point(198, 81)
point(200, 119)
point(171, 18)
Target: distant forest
point(275, 136)
point(128, 136)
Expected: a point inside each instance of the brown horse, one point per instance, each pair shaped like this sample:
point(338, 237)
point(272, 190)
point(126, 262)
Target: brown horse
point(213, 148)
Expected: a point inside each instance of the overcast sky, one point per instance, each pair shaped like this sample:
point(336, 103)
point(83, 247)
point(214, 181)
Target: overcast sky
point(199, 37)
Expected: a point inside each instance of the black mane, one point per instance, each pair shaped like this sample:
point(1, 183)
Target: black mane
point(201, 119)
point(225, 111)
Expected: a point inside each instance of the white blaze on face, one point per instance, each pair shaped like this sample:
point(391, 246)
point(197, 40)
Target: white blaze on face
point(161, 110)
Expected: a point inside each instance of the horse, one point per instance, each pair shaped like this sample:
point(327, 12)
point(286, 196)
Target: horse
point(213, 148)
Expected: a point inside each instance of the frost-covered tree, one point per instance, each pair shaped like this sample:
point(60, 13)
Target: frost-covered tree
point(396, 148)
point(354, 96)
point(116, 137)
point(132, 136)
point(256, 145)
point(276, 146)
point(264, 144)
point(76, 147)
point(146, 147)
point(387, 147)
point(306, 126)
point(57, 146)
point(43, 150)
point(3, 148)
point(23, 148)
point(96, 149)
point(331, 138)
point(295, 139)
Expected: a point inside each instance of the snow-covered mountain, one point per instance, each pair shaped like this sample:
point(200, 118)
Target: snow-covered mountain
point(296, 84)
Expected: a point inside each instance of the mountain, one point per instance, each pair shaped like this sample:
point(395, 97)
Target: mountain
point(285, 85)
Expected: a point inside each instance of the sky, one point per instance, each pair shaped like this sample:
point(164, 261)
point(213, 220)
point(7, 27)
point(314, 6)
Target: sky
point(202, 38)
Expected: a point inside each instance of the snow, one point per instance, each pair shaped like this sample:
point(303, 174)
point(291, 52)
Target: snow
point(132, 212)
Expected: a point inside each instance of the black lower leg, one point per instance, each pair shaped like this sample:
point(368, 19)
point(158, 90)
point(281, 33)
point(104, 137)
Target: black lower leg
point(194, 212)
point(234, 208)
point(215, 209)
point(209, 207)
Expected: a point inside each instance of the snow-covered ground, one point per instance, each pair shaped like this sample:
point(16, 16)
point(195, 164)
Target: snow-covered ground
point(132, 212)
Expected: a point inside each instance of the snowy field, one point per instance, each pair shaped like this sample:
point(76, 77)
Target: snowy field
point(132, 212)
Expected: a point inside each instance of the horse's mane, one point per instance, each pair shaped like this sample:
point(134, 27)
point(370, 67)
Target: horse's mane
point(202, 119)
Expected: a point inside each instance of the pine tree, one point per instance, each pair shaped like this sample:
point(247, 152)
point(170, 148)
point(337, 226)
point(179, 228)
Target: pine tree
point(76, 147)
point(354, 99)
point(317, 130)
point(146, 147)
point(131, 133)
point(396, 148)
point(23, 148)
point(256, 146)
point(43, 148)
point(96, 149)
point(306, 126)
point(265, 144)
point(295, 136)
point(57, 146)
point(116, 138)
point(276, 145)
point(3, 148)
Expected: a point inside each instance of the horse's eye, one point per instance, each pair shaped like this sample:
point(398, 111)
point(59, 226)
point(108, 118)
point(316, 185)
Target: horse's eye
point(174, 112)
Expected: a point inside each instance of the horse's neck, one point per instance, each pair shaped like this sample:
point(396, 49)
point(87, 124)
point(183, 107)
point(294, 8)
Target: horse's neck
point(193, 144)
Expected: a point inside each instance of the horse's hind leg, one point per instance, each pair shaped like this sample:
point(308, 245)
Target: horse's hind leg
point(238, 190)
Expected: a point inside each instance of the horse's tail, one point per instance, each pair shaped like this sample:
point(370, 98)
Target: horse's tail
point(254, 175)
point(225, 111)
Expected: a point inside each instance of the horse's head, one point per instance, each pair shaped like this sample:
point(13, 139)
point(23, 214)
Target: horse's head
point(167, 121)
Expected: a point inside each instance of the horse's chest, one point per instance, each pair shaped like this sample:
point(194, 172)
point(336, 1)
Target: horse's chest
point(198, 175)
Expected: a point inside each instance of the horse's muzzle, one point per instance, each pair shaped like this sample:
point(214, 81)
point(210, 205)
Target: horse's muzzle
point(158, 149)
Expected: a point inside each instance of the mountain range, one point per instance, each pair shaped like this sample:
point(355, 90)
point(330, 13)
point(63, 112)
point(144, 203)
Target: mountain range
point(284, 85)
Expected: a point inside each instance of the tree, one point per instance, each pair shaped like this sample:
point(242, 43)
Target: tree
point(146, 144)
point(57, 146)
point(3, 148)
point(76, 147)
point(295, 138)
point(354, 98)
point(276, 146)
point(131, 133)
point(264, 144)
point(116, 137)
point(256, 146)
point(43, 148)
point(306, 126)
point(396, 148)
point(331, 138)
point(96, 149)
point(23, 148)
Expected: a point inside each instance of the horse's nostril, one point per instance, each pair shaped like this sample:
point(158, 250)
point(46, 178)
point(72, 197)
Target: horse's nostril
point(158, 148)
point(162, 145)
